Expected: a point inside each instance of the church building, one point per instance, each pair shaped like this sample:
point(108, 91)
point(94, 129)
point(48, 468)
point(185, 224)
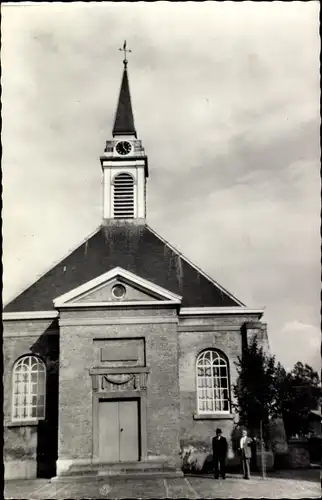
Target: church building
point(122, 356)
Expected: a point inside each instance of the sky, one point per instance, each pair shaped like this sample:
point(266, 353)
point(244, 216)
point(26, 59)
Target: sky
point(226, 102)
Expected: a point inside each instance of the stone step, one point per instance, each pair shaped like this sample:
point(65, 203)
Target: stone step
point(87, 478)
point(121, 465)
point(128, 469)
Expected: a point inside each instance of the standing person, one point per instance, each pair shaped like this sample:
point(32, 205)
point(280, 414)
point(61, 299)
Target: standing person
point(245, 453)
point(219, 454)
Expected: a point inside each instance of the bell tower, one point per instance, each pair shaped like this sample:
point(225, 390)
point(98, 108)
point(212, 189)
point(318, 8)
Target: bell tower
point(124, 163)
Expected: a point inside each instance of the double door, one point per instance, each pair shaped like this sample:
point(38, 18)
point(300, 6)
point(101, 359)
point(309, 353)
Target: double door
point(118, 422)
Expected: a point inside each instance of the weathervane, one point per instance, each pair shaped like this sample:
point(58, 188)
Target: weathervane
point(125, 50)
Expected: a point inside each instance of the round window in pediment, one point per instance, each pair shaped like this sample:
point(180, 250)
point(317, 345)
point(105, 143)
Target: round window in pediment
point(119, 291)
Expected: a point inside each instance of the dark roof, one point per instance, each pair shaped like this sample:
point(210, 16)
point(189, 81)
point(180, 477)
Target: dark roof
point(137, 249)
point(124, 121)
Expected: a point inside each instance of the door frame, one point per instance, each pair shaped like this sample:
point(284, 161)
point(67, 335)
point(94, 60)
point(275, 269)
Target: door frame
point(140, 397)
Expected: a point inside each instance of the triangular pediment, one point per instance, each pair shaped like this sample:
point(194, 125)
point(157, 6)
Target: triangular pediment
point(116, 287)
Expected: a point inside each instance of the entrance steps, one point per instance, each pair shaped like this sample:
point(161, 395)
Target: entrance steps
point(131, 470)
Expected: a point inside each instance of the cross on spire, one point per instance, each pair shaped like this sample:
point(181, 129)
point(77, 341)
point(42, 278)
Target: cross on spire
point(125, 50)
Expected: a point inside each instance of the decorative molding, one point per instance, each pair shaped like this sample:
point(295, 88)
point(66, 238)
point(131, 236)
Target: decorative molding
point(127, 276)
point(23, 423)
point(120, 369)
point(208, 328)
point(138, 320)
point(122, 382)
point(14, 316)
point(119, 379)
point(22, 333)
point(196, 311)
point(213, 416)
point(134, 162)
point(118, 303)
point(109, 221)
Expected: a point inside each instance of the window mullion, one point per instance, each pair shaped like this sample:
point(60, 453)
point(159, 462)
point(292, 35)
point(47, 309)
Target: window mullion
point(29, 399)
point(218, 386)
point(22, 389)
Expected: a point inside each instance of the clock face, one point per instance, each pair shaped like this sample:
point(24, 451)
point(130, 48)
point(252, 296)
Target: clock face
point(123, 147)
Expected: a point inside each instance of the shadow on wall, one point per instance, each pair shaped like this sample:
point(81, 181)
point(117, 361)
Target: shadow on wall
point(47, 347)
point(197, 457)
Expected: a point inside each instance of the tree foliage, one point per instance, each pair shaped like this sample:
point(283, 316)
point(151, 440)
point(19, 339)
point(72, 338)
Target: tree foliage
point(265, 390)
point(255, 390)
point(299, 392)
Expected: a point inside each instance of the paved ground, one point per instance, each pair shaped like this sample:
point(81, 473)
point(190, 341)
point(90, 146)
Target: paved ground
point(286, 484)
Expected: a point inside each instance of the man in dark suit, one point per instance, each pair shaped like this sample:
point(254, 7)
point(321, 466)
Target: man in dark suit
point(219, 453)
point(245, 453)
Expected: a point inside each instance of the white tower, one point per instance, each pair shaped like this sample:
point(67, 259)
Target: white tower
point(124, 164)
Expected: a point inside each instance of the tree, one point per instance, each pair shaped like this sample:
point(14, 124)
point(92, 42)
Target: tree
point(298, 392)
point(255, 391)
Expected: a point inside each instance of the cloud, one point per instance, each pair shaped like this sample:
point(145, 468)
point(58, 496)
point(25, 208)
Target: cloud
point(225, 98)
point(307, 339)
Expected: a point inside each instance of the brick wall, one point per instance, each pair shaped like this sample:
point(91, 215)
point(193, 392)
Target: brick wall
point(196, 334)
point(29, 450)
point(171, 349)
point(78, 358)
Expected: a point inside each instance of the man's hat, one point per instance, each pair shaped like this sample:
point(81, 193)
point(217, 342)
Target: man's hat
point(218, 431)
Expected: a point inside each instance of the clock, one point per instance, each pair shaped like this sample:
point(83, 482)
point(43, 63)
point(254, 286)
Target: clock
point(123, 147)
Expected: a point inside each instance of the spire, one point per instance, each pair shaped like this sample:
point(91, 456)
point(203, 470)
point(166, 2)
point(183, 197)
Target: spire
point(124, 121)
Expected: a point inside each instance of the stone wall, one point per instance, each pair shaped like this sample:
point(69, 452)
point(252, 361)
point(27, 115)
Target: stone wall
point(28, 449)
point(171, 346)
point(78, 329)
point(225, 333)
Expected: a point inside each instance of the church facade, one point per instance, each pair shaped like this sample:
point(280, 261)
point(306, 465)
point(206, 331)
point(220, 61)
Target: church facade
point(122, 355)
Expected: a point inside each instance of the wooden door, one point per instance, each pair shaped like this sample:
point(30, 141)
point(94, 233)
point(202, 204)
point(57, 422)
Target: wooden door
point(108, 430)
point(129, 435)
point(118, 431)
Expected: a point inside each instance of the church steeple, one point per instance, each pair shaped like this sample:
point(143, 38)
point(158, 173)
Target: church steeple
point(124, 121)
point(124, 164)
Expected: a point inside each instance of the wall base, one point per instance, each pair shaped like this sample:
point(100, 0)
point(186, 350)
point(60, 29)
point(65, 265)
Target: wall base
point(70, 469)
point(20, 469)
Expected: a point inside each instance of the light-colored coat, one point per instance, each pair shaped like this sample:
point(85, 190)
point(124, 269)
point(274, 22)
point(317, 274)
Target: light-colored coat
point(246, 451)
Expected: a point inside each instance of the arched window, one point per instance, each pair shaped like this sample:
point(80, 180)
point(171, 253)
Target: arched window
point(29, 385)
point(123, 202)
point(212, 382)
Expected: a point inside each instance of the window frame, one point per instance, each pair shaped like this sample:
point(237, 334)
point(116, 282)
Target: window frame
point(33, 361)
point(223, 363)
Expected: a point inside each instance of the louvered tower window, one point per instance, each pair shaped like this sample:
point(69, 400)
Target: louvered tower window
point(123, 196)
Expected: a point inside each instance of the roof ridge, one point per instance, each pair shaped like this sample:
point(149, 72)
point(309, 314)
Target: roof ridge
point(52, 266)
point(196, 267)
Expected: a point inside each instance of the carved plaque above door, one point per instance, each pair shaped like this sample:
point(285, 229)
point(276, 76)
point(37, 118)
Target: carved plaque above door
point(118, 379)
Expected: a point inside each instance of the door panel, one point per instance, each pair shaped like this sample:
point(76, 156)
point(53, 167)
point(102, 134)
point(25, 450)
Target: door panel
point(118, 438)
point(108, 437)
point(129, 438)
